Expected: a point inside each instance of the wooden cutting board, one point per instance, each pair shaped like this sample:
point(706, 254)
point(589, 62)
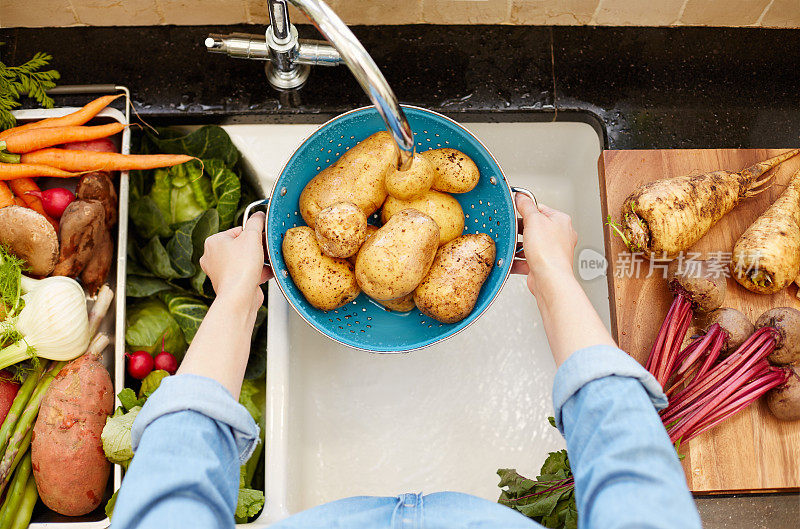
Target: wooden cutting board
point(752, 451)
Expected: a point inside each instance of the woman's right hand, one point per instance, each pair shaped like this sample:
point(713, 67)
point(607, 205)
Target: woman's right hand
point(549, 245)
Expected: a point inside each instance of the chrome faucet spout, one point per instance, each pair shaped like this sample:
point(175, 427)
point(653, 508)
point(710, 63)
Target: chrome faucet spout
point(289, 60)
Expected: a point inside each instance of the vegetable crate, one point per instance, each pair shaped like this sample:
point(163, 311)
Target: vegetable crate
point(114, 323)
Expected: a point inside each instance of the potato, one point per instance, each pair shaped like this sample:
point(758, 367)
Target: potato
point(411, 183)
point(394, 260)
point(404, 304)
point(441, 207)
point(450, 290)
point(341, 229)
point(326, 282)
point(370, 232)
point(69, 465)
point(357, 177)
point(454, 171)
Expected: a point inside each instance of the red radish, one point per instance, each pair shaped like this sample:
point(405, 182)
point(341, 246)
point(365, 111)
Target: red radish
point(54, 200)
point(101, 145)
point(140, 364)
point(167, 362)
point(8, 390)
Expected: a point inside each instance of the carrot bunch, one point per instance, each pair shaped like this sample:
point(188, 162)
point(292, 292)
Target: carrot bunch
point(29, 150)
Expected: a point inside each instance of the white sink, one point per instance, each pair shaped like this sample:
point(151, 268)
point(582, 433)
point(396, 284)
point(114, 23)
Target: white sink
point(343, 422)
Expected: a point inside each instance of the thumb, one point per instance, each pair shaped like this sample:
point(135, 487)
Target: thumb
point(525, 206)
point(256, 223)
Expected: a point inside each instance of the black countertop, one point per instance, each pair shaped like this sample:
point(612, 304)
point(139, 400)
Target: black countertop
point(641, 87)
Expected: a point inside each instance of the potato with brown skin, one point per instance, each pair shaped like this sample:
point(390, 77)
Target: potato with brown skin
point(98, 186)
point(369, 233)
point(357, 177)
point(413, 182)
point(80, 231)
point(454, 171)
point(404, 304)
point(69, 465)
point(703, 281)
point(786, 321)
point(784, 401)
point(341, 229)
point(450, 290)
point(736, 326)
point(667, 216)
point(441, 207)
point(326, 282)
point(396, 258)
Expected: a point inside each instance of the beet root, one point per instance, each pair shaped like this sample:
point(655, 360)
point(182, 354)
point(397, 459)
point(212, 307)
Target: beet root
point(702, 281)
point(786, 321)
point(784, 401)
point(735, 324)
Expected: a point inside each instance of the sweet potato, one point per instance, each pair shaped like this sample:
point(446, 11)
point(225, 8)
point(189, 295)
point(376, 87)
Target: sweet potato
point(95, 272)
point(69, 465)
point(668, 216)
point(81, 225)
point(98, 186)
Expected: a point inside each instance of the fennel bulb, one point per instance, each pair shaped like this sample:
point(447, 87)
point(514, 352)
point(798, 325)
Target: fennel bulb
point(53, 324)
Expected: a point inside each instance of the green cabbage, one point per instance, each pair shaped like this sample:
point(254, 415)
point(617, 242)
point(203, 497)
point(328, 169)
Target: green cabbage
point(149, 321)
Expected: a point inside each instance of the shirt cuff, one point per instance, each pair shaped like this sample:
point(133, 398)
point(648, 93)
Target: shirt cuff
point(595, 362)
point(205, 396)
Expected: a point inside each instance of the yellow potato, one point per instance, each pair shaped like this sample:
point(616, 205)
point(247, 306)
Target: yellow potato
point(411, 183)
point(357, 177)
point(326, 282)
point(454, 171)
point(394, 260)
point(441, 207)
point(370, 232)
point(450, 290)
point(404, 304)
point(341, 229)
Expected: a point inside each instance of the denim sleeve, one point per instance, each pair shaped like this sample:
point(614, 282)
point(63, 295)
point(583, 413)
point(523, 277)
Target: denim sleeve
point(627, 473)
point(189, 440)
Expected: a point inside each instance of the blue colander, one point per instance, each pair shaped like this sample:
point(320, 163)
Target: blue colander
point(363, 323)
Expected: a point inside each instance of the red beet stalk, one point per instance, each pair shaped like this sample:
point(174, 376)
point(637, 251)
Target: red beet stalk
point(667, 347)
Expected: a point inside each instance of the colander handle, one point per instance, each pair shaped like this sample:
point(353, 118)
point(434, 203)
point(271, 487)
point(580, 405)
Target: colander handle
point(530, 195)
point(246, 216)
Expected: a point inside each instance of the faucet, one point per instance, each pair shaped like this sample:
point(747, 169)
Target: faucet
point(289, 60)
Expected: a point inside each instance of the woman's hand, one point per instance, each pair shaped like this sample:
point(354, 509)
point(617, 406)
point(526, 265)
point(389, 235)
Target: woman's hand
point(234, 262)
point(549, 245)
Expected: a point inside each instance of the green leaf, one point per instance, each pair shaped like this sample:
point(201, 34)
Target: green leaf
point(116, 437)
point(141, 287)
point(151, 383)
point(148, 219)
point(227, 191)
point(257, 361)
point(127, 397)
point(156, 259)
point(206, 142)
point(248, 504)
point(188, 311)
point(148, 322)
point(186, 246)
point(110, 504)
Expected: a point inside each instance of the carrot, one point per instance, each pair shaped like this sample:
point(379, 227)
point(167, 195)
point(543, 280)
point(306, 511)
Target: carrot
point(19, 202)
point(667, 216)
point(79, 117)
point(35, 139)
point(6, 196)
point(766, 258)
point(12, 171)
point(22, 187)
point(69, 160)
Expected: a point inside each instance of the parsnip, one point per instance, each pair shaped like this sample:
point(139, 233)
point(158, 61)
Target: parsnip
point(766, 257)
point(666, 217)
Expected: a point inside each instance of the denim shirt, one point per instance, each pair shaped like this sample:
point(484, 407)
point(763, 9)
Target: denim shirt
point(191, 436)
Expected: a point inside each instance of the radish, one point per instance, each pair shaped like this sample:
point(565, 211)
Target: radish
point(54, 200)
point(166, 362)
point(101, 145)
point(140, 364)
point(668, 216)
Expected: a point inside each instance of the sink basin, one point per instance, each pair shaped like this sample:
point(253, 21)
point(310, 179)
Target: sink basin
point(342, 422)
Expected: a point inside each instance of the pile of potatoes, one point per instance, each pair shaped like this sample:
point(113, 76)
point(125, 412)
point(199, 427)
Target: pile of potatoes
point(418, 257)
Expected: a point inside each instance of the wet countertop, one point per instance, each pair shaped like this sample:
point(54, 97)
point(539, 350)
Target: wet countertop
point(641, 88)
